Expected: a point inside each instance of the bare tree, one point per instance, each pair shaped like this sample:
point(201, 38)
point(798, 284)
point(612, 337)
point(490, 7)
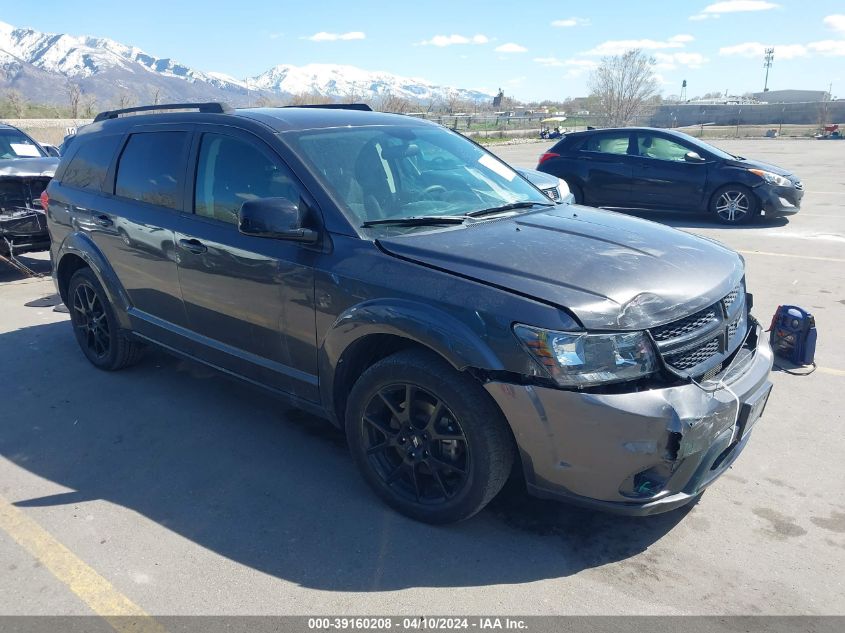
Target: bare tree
point(125, 100)
point(623, 85)
point(389, 102)
point(157, 96)
point(17, 104)
point(310, 98)
point(89, 104)
point(74, 93)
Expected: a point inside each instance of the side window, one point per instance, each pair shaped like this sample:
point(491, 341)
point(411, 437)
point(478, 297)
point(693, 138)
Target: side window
point(661, 148)
point(152, 168)
point(231, 171)
point(607, 143)
point(88, 168)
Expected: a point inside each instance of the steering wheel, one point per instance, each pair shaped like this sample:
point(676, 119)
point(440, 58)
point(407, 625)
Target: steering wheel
point(434, 191)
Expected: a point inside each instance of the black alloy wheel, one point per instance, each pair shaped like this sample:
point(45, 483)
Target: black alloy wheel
point(427, 438)
point(95, 326)
point(415, 444)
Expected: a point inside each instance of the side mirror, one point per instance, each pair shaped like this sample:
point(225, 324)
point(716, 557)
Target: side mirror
point(693, 157)
point(275, 218)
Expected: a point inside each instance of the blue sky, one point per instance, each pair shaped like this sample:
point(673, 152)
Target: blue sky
point(533, 50)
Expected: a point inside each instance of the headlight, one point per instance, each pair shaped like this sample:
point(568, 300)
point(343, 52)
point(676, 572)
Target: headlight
point(579, 359)
point(771, 178)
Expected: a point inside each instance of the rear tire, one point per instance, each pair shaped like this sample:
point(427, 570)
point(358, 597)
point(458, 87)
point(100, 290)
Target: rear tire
point(426, 438)
point(95, 325)
point(734, 205)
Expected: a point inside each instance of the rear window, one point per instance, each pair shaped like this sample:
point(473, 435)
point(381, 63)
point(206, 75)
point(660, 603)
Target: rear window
point(152, 168)
point(89, 166)
point(15, 144)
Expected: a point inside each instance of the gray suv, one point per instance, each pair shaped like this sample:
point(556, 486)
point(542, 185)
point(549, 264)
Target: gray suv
point(396, 278)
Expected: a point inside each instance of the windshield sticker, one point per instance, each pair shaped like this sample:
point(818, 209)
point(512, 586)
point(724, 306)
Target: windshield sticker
point(25, 149)
point(493, 165)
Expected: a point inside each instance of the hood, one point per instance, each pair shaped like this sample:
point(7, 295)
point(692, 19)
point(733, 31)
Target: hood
point(612, 271)
point(539, 179)
point(756, 164)
point(29, 167)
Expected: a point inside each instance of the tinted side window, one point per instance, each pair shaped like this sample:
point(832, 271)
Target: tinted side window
point(152, 168)
point(607, 143)
point(231, 171)
point(88, 168)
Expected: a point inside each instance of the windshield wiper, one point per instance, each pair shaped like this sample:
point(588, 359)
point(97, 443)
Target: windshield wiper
point(508, 207)
point(418, 220)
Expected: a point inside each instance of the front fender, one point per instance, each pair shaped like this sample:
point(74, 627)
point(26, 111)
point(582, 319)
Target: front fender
point(435, 329)
point(80, 245)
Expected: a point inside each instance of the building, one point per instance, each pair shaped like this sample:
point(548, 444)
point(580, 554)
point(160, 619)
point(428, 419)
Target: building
point(791, 96)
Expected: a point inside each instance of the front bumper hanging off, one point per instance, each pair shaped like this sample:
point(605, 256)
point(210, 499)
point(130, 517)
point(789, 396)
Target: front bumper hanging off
point(636, 453)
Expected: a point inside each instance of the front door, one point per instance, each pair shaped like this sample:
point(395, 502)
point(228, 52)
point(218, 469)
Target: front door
point(249, 300)
point(663, 178)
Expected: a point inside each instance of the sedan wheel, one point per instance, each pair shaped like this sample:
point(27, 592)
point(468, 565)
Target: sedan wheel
point(734, 204)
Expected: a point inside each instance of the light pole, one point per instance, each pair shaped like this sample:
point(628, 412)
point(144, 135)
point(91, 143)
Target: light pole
point(767, 63)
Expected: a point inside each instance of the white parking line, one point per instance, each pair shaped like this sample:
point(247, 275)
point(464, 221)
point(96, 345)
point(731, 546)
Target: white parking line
point(820, 259)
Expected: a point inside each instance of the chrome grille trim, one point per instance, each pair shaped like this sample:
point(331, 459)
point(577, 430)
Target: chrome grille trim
point(698, 343)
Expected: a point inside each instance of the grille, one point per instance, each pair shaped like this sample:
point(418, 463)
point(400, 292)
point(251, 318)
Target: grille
point(552, 193)
point(731, 297)
point(712, 373)
point(687, 359)
point(685, 325)
point(732, 329)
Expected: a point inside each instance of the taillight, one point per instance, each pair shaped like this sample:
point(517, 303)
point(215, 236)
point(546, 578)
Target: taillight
point(45, 199)
point(547, 156)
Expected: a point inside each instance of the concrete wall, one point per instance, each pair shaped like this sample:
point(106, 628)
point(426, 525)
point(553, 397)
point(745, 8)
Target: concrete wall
point(757, 114)
point(47, 130)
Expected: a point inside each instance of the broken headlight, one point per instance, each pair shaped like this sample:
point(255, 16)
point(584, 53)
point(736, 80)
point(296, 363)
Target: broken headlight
point(580, 359)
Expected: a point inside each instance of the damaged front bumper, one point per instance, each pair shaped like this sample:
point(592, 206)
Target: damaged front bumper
point(637, 453)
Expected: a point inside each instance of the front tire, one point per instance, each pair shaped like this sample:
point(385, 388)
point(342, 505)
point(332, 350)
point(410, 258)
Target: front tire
point(427, 439)
point(734, 205)
point(95, 325)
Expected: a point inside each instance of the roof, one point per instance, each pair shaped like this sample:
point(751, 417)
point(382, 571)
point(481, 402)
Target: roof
point(278, 119)
point(628, 130)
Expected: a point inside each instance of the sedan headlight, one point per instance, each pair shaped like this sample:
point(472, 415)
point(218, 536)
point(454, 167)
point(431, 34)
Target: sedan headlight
point(771, 178)
point(579, 359)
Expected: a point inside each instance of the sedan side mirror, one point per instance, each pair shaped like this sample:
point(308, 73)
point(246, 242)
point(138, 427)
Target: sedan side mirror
point(693, 157)
point(275, 218)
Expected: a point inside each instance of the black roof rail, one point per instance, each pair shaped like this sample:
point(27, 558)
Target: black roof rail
point(336, 106)
point(214, 107)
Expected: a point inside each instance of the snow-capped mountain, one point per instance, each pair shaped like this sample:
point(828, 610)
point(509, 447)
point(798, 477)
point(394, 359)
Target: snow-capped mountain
point(41, 65)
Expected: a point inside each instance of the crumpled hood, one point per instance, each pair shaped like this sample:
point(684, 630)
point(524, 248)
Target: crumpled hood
point(29, 167)
point(611, 270)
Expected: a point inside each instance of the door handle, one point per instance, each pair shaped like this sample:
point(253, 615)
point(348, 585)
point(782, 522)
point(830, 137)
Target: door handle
point(103, 220)
point(194, 246)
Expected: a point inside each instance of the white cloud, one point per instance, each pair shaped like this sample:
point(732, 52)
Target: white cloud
point(510, 47)
point(828, 48)
point(836, 22)
point(450, 40)
point(670, 61)
point(574, 67)
point(570, 22)
point(322, 36)
point(733, 6)
point(618, 47)
point(756, 49)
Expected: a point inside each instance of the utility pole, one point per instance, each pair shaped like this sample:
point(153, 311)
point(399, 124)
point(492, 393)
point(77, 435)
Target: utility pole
point(767, 63)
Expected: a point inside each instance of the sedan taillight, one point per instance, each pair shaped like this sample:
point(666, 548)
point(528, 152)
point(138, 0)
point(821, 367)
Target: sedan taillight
point(45, 199)
point(547, 156)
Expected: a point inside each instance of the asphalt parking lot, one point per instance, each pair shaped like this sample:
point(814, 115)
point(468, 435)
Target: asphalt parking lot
point(180, 491)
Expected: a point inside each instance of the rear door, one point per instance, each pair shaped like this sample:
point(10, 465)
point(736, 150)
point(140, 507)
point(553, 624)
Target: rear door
point(249, 300)
point(662, 177)
point(134, 226)
point(607, 169)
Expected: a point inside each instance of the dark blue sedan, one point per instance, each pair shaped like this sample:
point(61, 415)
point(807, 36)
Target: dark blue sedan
point(647, 168)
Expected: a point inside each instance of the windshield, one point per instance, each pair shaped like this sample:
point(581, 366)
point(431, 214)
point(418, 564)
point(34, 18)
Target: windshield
point(394, 172)
point(14, 144)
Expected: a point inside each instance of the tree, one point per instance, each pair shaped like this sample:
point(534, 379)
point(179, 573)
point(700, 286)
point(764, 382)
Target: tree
point(623, 85)
point(74, 93)
point(89, 104)
point(17, 103)
point(389, 102)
